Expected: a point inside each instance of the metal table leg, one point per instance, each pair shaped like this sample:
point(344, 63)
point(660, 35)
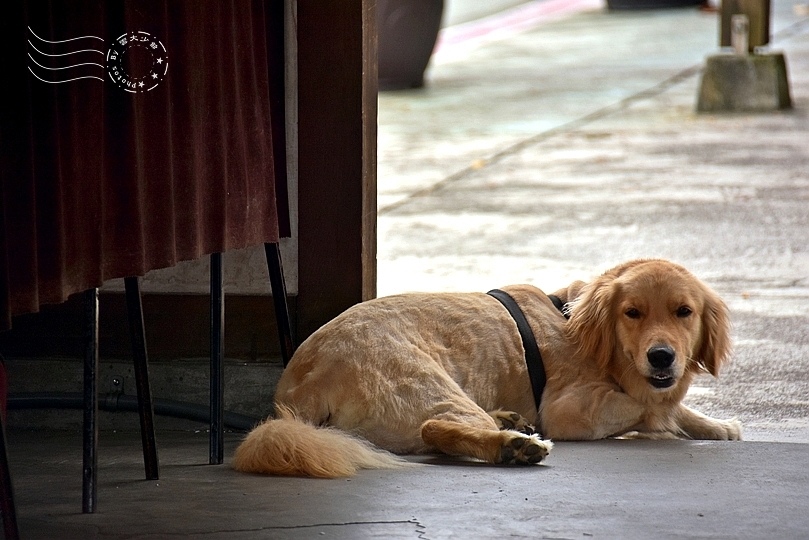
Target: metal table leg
point(7, 507)
point(279, 296)
point(90, 430)
point(217, 434)
point(141, 360)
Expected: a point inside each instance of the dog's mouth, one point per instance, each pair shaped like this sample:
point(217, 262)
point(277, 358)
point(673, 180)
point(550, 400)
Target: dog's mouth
point(662, 380)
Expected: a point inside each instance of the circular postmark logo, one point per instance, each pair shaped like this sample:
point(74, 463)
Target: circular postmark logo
point(137, 62)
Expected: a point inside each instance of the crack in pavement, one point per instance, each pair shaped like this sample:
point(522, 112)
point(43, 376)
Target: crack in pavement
point(547, 134)
point(420, 529)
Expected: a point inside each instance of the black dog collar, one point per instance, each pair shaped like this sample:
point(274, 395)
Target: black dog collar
point(533, 358)
point(561, 306)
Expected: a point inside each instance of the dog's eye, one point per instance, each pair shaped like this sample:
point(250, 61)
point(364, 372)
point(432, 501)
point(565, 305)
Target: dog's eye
point(632, 313)
point(684, 311)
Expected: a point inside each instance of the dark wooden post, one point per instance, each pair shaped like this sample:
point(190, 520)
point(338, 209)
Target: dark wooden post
point(337, 108)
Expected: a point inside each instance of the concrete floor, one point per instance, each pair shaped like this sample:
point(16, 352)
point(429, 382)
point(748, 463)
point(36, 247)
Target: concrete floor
point(605, 489)
point(540, 154)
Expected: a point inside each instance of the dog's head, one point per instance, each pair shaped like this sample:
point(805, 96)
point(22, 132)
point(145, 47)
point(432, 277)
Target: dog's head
point(655, 317)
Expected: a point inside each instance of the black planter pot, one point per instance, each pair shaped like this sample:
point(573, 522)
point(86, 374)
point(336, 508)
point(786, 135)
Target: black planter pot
point(407, 31)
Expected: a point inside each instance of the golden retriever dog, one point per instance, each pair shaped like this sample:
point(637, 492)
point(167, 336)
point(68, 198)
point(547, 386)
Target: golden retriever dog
point(446, 373)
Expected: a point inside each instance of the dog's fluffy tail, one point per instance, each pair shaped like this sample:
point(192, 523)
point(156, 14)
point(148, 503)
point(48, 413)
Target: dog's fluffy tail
point(288, 446)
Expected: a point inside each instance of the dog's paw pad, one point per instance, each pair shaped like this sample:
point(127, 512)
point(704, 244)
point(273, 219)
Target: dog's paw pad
point(512, 421)
point(525, 450)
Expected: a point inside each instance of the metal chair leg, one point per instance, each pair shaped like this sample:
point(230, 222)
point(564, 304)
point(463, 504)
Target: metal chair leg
point(141, 361)
point(90, 430)
point(217, 433)
point(279, 296)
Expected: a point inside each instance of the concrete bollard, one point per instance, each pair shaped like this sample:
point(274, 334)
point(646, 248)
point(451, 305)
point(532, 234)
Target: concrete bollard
point(744, 83)
point(744, 80)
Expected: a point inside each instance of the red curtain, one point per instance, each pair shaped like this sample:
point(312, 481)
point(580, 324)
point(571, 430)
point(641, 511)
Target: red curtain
point(134, 135)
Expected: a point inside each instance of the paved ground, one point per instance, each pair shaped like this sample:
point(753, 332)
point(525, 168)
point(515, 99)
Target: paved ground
point(546, 151)
point(601, 490)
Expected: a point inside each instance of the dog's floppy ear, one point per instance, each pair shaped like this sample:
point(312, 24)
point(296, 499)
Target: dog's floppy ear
point(591, 324)
point(571, 292)
point(715, 348)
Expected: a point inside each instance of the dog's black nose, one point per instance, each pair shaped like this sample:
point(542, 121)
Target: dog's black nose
point(660, 357)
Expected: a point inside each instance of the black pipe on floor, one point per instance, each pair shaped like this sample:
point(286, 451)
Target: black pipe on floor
point(114, 402)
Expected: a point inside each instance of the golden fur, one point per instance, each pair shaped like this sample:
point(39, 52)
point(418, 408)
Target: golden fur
point(426, 373)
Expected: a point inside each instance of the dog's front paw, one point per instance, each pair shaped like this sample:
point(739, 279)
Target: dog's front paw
point(513, 421)
point(524, 450)
point(733, 429)
point(723, 430)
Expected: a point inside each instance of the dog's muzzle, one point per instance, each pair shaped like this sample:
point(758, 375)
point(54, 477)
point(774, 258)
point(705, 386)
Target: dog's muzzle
point(661, 358)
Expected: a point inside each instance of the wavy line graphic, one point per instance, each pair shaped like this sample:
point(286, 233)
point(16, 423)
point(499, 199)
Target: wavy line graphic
point(65, 67)
point(64, 40)
point(65, 80)
point(64, 54)
point(55, 66)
